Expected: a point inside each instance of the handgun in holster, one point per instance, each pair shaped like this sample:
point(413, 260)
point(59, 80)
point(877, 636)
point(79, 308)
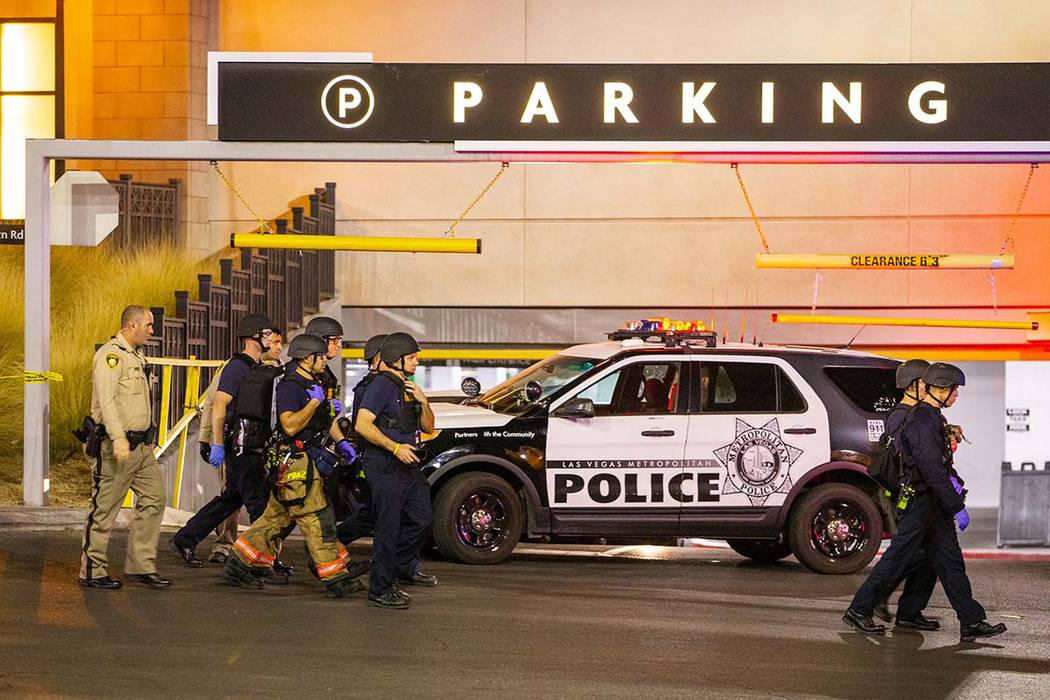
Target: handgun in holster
point(91, 434)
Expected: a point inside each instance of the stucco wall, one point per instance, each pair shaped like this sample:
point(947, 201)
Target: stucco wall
point(679, 235)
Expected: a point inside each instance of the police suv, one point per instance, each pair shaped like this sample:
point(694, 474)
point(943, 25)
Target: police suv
point(658, 434)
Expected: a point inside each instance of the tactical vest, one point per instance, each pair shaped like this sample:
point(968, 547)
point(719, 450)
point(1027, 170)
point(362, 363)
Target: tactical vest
point(255, 394)
point(320, 422)
point(408, 420)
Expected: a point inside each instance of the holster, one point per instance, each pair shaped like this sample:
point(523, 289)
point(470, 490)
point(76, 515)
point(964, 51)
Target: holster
point(91, 434)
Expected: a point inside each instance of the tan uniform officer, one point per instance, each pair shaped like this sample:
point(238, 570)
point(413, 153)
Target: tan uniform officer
point(120, 400)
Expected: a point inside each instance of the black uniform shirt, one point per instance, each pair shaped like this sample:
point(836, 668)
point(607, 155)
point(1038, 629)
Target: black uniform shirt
point(924, 447)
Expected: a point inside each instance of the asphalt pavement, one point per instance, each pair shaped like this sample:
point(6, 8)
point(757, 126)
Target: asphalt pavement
point(559, 622)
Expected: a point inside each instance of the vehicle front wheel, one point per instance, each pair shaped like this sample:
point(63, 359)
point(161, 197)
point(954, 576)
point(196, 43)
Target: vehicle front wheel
point(761, 551)
point(835, 529)
point(477, 518)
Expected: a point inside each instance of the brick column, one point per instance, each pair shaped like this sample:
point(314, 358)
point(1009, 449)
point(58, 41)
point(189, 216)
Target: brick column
point(150, 82)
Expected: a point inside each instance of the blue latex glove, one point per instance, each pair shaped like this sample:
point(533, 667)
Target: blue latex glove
point(337, 406)
point(962, 519)
point(216, 455)
point(956, 484)
point(346, 450)
point(315, 392)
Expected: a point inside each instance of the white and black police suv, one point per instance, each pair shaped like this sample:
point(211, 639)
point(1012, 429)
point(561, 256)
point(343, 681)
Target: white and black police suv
point(665, 434)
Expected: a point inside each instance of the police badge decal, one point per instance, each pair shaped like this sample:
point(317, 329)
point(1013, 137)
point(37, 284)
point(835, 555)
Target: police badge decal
point(757, 462)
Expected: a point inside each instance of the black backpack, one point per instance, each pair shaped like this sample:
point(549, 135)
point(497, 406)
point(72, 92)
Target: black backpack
point(887, 464)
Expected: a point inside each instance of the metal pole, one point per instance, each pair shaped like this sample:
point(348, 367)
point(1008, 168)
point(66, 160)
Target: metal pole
point(35, 482)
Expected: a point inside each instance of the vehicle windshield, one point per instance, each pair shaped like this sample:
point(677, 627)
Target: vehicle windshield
point(551, 374)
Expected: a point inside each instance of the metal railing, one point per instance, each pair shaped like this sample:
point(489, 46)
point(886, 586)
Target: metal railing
point(148, 214)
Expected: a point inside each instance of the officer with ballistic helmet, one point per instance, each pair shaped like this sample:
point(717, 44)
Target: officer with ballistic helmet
point(331, 332)
point(931, 504)
point(297, 460)
point(392, 413)
point(919, 579)
point(240, 427)
point(362, 522)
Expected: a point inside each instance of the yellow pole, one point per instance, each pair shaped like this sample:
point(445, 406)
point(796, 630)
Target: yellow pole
point(918, 322)
point(363, 243)
point(888, 261)
point(190, 404)
point(165, 399)
point(470, 353)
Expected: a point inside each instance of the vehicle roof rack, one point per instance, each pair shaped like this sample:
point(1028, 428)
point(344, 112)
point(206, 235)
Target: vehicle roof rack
point(669, 338)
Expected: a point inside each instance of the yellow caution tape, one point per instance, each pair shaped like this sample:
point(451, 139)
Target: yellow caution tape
point(35, 377)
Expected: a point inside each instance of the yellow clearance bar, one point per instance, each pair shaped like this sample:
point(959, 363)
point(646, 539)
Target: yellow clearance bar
point(470, 353)
point(918, 322)
point(382, 244)
point(864, 261)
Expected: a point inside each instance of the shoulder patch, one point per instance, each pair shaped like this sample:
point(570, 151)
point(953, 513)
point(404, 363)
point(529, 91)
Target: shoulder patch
point(112, 359)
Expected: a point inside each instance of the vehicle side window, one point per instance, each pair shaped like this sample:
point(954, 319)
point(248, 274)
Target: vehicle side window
point(641, 388)
point(747, 387)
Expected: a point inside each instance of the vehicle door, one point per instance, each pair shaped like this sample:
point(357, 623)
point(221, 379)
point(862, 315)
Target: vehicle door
point(613, 469)
point(755, 426)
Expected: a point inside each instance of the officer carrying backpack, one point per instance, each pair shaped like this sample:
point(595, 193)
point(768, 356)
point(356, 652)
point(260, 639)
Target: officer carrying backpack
point(887, 464)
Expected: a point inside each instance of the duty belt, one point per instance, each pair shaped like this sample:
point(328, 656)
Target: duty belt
point(141, 437)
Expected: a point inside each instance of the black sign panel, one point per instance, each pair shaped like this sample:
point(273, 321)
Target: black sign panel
point(12, 231)
point(634, 102)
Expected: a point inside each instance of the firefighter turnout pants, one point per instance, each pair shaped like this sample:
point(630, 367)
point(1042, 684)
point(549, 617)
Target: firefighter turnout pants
point(299, 503)
point(110, 481)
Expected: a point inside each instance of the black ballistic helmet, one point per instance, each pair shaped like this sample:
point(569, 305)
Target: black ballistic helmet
point(944, 375)
point(373, 345)
point(253, 324)
point(908, 372)
point(396, 346)
point(324, 326)
point(302, 346)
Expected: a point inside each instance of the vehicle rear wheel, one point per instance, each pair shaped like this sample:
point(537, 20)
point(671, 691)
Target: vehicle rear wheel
point(835, 529)
point(761, 551)
point(477, 518)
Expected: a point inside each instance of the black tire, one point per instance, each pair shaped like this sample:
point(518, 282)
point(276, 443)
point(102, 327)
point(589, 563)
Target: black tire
point(761, 551)
point(835, 529)
point(477, 518)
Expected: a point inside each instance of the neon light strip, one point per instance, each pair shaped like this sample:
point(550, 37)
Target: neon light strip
point(764, 147)
point(471, 353)
point(918, 322)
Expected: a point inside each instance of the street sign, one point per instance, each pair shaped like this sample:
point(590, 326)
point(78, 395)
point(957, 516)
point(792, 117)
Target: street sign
point(12, 231)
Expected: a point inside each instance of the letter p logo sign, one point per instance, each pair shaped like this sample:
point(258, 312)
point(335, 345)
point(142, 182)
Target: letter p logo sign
point(347, 101)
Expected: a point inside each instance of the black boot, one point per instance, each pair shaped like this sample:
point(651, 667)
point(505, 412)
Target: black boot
point(236, 572)
point(882, 610)
point(864, 625)
point(980, 630)
point(343, 587)
point(919, 622)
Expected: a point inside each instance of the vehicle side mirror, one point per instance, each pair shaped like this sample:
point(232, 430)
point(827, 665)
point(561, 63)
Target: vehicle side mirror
point(470, 386)
point(575, 408)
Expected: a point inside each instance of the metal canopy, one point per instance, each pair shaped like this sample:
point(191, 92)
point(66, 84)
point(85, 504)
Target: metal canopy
point(40, 153)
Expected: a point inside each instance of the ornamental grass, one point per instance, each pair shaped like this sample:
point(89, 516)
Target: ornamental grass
point(89, 289)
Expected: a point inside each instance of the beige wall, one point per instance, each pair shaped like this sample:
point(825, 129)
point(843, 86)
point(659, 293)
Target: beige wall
point(679, 235)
